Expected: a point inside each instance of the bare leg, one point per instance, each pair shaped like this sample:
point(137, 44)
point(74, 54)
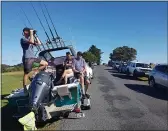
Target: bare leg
point(82, 84)
point(25, 77)
point(41, 67)
point(87, 85)
point(62, 77)
point(43, 64)
point(67, 76)
point(65, 79)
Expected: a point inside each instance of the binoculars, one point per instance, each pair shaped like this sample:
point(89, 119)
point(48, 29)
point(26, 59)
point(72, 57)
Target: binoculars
point(28, 29)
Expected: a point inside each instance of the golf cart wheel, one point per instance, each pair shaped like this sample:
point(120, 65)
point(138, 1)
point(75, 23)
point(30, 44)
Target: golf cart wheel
point(152, 82)
point(66, 114)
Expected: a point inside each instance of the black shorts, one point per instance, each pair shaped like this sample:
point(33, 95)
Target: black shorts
point(28, 62)
point(77, 75)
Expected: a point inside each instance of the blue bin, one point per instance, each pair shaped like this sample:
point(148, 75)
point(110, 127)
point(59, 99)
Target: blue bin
point(75, 93)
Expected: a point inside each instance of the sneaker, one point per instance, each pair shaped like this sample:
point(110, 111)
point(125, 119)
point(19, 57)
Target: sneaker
point(87, 95)
point(83, 96)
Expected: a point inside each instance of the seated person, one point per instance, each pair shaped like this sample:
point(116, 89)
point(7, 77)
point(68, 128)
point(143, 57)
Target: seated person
point(68, 72)
point(79, 68)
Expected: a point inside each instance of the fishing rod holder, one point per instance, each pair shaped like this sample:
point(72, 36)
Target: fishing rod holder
point(57, 42)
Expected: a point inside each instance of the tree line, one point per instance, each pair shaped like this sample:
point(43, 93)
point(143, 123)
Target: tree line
point(123, 53)
point(7, 68)
point(92, 55)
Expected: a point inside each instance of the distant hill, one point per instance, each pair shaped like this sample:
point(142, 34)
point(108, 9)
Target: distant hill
point(8, 68)
point(4, 65)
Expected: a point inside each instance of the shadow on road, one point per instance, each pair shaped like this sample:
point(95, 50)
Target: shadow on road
point(108, 69)
point(8, 122)
point(158, 93)
point(112, 70)
point(124, 76)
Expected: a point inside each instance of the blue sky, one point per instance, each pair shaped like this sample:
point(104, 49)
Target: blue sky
point(141, 25)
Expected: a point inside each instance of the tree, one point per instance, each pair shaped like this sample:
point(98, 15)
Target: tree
point(89, 57)
point(97, 52)
point(124, 53)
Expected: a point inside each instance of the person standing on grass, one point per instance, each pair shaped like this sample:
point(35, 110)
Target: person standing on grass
point(28, 58)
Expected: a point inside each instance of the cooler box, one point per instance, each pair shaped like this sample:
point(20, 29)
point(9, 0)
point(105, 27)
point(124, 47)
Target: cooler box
point(68, 99)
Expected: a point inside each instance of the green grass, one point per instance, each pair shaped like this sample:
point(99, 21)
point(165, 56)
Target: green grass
point(143, 78)
point(10, 81)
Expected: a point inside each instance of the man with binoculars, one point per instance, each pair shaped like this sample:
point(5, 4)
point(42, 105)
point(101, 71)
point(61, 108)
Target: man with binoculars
point(27, 43)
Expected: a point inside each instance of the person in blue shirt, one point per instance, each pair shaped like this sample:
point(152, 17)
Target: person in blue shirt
point(79, 68)
point(28, 58)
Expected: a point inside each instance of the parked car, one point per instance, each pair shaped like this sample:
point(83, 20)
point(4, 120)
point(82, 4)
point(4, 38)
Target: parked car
point(159, 76)
point(123, 68)
point(116, 65)
point(94, 64)
point(138, 69)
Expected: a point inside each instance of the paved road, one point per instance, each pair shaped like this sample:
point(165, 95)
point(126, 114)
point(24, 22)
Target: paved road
point(121, 103)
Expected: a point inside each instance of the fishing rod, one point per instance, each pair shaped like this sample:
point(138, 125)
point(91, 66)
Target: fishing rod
point(47, 23)
point(49, 41)
point(22, 20)
point(26, 17)
point(53, 25)
point(50, 19)
point(37, 46)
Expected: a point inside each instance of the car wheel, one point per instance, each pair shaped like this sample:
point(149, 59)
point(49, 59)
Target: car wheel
point(135, 74)
point(127, 73)
point(152, 82)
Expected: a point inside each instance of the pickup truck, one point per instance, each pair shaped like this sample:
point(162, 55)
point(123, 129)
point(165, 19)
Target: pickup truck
point(138, 69)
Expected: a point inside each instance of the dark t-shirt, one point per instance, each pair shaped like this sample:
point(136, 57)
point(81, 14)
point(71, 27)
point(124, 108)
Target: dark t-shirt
point(27, 48)
point(68, 62)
